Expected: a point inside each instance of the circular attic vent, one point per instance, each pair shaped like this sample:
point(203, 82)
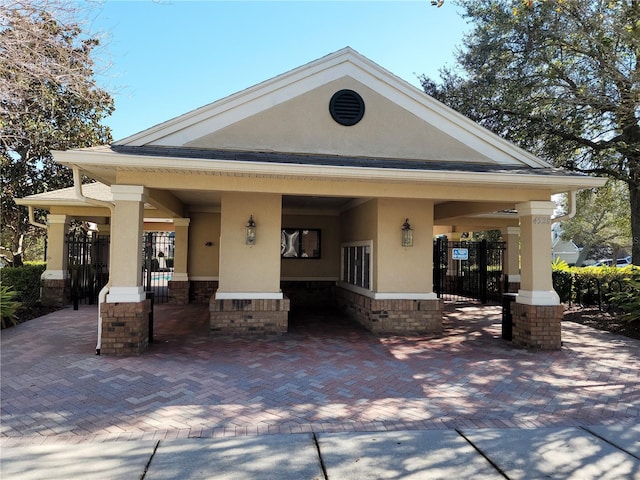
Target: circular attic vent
point(346, 107)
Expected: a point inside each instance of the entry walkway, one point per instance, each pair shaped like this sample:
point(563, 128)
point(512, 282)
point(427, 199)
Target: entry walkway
point(319, 380)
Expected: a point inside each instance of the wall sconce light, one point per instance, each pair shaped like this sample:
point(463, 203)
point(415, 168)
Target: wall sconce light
point(407, 234)
point(251, 231)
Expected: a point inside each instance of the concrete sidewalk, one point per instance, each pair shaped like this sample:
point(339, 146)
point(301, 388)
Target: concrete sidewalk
point(562, 453)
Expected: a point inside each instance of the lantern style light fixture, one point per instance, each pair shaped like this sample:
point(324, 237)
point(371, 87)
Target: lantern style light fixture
point(407, 234)
point(251, 231)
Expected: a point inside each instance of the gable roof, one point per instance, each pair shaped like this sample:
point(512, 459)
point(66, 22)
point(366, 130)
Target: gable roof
point(447, 124)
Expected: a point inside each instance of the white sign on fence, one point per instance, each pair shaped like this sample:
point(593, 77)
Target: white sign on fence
point(460, 254)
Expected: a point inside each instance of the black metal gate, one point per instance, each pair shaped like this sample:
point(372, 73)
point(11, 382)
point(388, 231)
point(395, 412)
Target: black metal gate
point(157, 264)
point(468, 270)
point(88, 265)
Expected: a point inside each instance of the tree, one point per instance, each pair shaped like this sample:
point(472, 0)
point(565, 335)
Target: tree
point(601, 220)
point(49, 100)
point(560, 78)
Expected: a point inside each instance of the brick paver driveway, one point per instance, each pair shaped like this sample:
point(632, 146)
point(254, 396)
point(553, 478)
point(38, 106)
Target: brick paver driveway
point(325, 375)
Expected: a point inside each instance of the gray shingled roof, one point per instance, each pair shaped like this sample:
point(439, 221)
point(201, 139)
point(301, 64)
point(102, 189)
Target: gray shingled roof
point(333, 160)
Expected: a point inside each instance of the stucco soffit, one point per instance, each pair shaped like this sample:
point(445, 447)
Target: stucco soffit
point(344, 63)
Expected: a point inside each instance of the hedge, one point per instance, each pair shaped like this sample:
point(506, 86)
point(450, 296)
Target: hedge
point(600, 286)
point(25, 281)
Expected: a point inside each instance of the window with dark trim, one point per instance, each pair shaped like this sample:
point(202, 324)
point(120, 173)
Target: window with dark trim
point(300, 243)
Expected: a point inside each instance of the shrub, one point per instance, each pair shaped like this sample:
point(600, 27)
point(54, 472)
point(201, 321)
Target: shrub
point(8, 306)
point(562, 280)
point(628, 300)
point(25, 281)
point(589, 285)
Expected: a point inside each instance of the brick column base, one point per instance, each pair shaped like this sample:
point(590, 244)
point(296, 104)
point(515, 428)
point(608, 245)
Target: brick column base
point(248, 316)
point(178, 292)
point(125, 327)
point(537, 327)
point(392, 316)
point(55, 293)
point(200, 291)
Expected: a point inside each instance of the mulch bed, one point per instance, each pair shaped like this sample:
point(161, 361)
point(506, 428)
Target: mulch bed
point(35, 311)
point(593, 317)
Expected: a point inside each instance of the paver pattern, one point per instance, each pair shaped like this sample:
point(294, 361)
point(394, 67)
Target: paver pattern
point(326, 375)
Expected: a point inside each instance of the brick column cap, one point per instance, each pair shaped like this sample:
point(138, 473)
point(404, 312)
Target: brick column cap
point(181, 222)
point(535, 208)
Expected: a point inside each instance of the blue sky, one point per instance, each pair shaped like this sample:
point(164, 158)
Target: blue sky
point(169, 57)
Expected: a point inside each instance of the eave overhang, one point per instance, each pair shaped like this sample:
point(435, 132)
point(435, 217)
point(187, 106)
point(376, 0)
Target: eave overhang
point(103, 163)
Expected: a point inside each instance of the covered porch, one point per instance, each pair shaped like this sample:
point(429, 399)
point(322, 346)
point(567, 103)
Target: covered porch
point(335, 176)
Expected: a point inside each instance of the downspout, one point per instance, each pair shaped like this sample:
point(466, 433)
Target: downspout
point(32, 219)
point(572, 209)
point(102, 296)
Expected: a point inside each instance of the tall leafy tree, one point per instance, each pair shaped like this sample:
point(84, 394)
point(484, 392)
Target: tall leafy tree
point(601, 220)
point(49, 100)
point(558, 77)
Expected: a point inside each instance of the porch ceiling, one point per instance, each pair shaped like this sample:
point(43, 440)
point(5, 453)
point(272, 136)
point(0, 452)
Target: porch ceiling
point(196, 199)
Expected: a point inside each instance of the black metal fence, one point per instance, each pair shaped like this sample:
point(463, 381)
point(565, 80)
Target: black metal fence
point(587, 291)
point(88, 265)
point(465, 271)
point(157, 265)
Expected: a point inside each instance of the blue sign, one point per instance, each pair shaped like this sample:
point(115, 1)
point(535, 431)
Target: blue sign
point(460, 254)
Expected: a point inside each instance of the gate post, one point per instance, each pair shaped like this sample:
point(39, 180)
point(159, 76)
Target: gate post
point(179, 283)
point(55, 279)
point(482, 270)
point(512, 260)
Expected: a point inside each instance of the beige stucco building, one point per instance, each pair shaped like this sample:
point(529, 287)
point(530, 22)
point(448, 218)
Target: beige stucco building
point(328, 160)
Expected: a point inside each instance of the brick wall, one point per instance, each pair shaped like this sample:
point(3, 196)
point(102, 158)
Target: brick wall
point(308, 294)
point(249, 316)
point(125, 327)
point(392, 316)
point(537, 327)
point(178, 293)
point(55, 293)
point(200, 291)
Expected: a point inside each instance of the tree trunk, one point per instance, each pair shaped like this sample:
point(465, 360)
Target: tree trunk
point(586, 249)
point(17, 256)
point(634, 199)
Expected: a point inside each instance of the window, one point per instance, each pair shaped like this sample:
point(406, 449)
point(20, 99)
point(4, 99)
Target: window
point(300, 243)
point(356, 264)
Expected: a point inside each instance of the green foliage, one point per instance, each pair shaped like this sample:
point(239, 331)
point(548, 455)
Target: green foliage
point(50, 101)
point(562, 279)
point(628, 300)
point(8, 306)
point(608, 287)
point(602, 219)
point(25, 281)
point(559, 264)
point(559, 79)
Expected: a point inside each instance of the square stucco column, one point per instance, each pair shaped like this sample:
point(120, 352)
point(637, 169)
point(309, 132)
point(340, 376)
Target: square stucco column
point(125, 315)
point(511, 236)
point(537, 313)
point(55, 279)
point(126, 235)
point(249, 298)
point(179, 283)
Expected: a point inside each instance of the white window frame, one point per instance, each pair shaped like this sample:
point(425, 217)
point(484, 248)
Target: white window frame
point(343, 283)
